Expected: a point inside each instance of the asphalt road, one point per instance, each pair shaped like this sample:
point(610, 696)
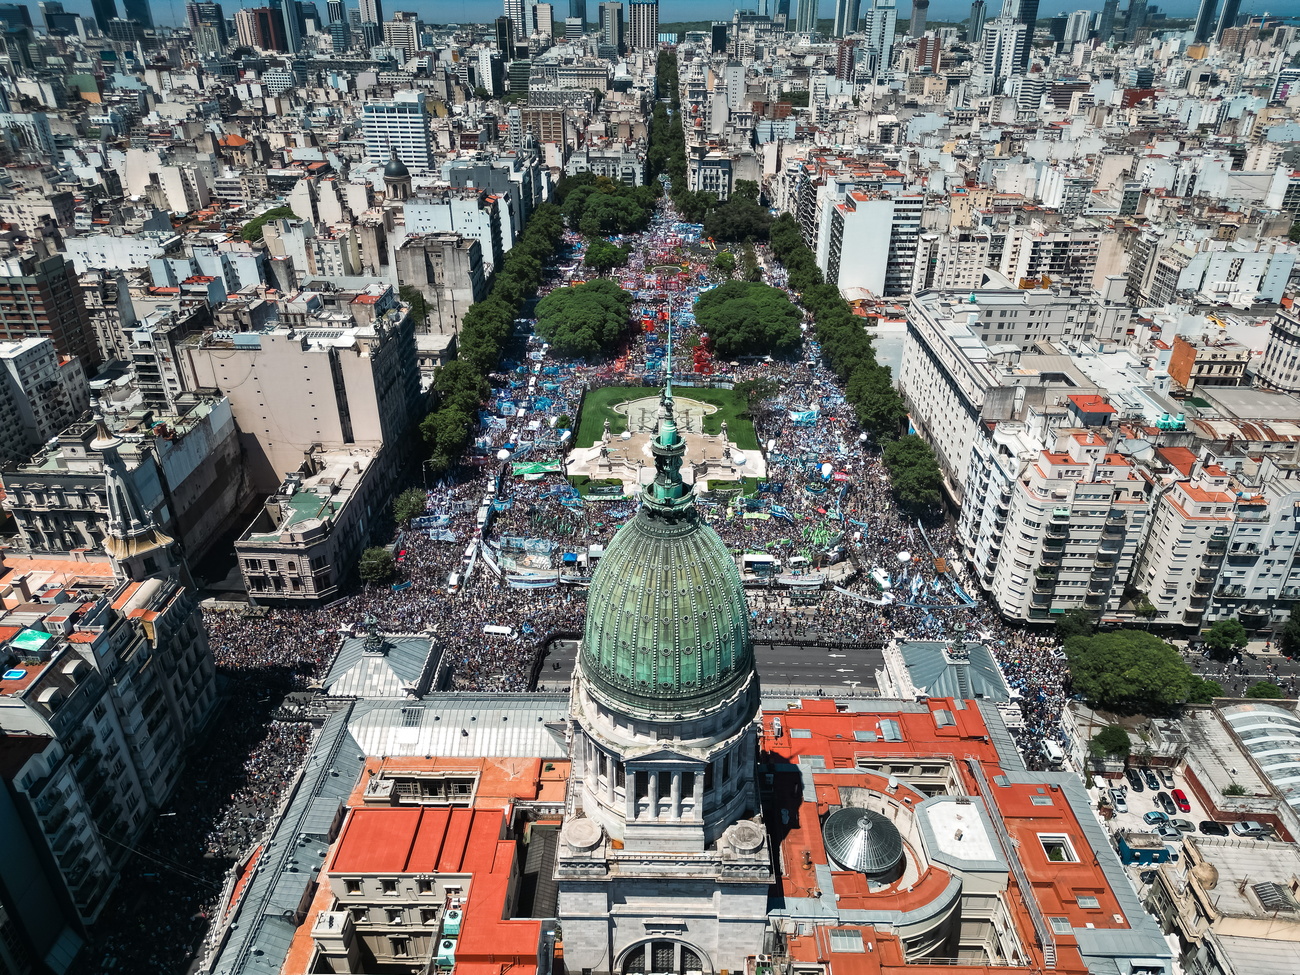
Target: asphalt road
point(779, 665)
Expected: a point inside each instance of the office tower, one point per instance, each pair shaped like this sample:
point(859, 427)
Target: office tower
point(573, 28)
point(520, 13)
point(643, 25)
point(846, 17)
point(138, 10)
point(1228, 18)
point(15, 15)
point(1021, 11)
point(544, 15)
point(289, 17)
point(372, 10)
point(1137, 19)
point(879, 24)
point(1204, 20)
point(919, 9)
point(104, 11)
point(200, 14)
point(40, 296)
point(340, 37)
point(977, 14)
point(1106, 23)
point(718, 37)
point(57, 20)
point(806, 17)
point(398, 127)
point(261, 27)
point(1056, 28)
point(578, 9)
point(505, 29)
point(611, 24)
point(782, 10)
point(372, 35)
point(334, 10)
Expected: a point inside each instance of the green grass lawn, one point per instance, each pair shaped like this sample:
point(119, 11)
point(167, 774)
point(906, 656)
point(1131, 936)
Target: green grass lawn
point(599, 407)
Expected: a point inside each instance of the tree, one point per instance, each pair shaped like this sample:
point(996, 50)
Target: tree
point(746, 189)
point(1234, 789)
point(602, 256)
point(482, 93)
point(377, 565)
point(1264, 689)
point(879, 407)
point(447, 432)
point(414, 297)
point(1075, 622)
point(1289, 639)
point(756, 391)
point(1132, 670)
point(744, 318)
point(254, 228)
point(1111, 740)
point(1225, 638)
point(914, 474)
point(584, 321)
point(738, 219)
point(1294, 232)
point(407, 505)
point(725, 263)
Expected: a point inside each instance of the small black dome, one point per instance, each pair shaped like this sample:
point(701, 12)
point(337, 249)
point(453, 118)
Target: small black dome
point(396, 169)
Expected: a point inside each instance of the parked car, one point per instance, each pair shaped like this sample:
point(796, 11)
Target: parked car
point(1210, 828)
point(1167, 778)
point(1153, 783)
point(1165, 803)
point(1118, 800)
point(1250, 828)
point(1154, 817)
point(1183, 825)
point(1134, 779)
point(1168, 832)
point(1180, 798)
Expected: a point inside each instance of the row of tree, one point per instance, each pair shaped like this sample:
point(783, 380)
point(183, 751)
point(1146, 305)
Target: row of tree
point(597, 206)
point(462, 383)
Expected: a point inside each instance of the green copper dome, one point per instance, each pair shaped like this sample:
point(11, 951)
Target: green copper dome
point(667, 626)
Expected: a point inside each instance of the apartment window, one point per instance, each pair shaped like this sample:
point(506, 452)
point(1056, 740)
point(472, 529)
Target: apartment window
point(396, 915)
point(428, 915)
point(388, 886)
point(360, 915)
point(401, 947)
point(352, 886)
point(424, 886)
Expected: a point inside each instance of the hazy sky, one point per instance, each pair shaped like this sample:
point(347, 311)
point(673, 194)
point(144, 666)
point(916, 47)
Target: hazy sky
point(470, 11)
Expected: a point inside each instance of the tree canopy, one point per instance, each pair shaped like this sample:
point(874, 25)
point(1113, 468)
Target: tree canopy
point(914, 474)
point(1289, 639)
point(584, 321)
point(602, 256)
point(1111, 740)
point(407, 505)
point(377, 565)
point(1134, 671)
point(1264, 690)
point(745, 318)
point(1225, 637)
point(254, 228)
point(1072, 623)
point(598, 207)
point(739, 218)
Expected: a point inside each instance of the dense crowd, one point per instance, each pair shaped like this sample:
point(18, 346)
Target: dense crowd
point(825, 503)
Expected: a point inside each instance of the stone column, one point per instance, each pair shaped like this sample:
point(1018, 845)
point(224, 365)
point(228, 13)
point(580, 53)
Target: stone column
point(699, 794)
point(629, 794)
point(676, 811)
point(654, 794)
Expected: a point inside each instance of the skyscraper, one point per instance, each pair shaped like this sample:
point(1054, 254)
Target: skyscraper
point(806, 17)
point(398, 128)
point(520, 13)
point(1137, 19)
point(334, 10)
point(39, 296)
point(340, 37)
point(917, 25)
point(1204, 20)
point(372, 10)
point(846, 17)
point(1228, 18)
point(1106, 22)
point(879, 24)
point(104, 10)
point(977, 14)
point(1002, 54)
point(643, 25)
point(578, 8)
point(138, 10)
point(611, 24)
point(505, 37)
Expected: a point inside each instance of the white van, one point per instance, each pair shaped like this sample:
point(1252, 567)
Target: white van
point(1054, 752)
point(453, 582)
point(492, 630)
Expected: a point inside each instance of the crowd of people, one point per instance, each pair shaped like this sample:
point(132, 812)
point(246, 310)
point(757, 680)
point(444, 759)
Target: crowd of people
point(825, 500)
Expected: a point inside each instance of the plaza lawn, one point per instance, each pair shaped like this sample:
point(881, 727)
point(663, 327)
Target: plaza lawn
point(599, 407)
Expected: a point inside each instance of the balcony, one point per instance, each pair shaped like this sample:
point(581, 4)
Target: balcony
point(1055, 545)
point(1231, 592)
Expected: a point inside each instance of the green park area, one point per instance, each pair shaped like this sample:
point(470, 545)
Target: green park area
point(599, 407)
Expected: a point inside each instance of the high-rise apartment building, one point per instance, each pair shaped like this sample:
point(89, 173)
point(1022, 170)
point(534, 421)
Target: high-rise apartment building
point(1004, 49)
point(611, 24)
point(403, 33)
point(544, 14)
point(978, 14)
point(643, 25)
point(400, 128)
point(520, 13)
point(39, 395)
point(372, 11)
point(879, 24)
point(261, 27)
point(40, 296)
